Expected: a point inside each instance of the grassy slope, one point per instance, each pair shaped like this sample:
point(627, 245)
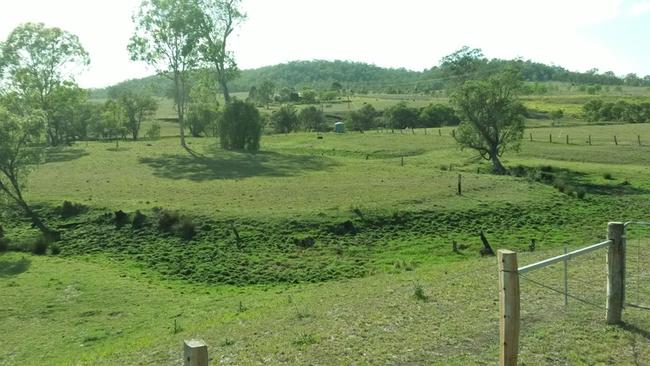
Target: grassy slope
point(102, 311)
point(77, 311)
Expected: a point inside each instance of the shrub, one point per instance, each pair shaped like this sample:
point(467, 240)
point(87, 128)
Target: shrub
point(4, 245)
point(138, 220)
point(285, 119)
point(581, 193)
point(240, 127)
point(55, 249)
point(121, 218)
point(153, 132)
point(187, 229)
point(418, 292)
point(2, 232)
point(608, 176)
point(167, 220)
point(39, 247)
point(69, 209)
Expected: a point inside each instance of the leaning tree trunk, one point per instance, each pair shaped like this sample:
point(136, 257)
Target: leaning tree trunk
point(497, 167)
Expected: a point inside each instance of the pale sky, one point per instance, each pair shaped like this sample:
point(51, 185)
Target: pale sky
point(576, 34)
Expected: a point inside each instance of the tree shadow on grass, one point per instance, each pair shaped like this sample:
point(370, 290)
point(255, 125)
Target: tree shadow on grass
point(12, 267)
point(571, 179)
point(234, 165)
point(63, 154)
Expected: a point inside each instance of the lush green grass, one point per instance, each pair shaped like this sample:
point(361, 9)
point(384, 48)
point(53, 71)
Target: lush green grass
point(82, 310)
point(334, 236)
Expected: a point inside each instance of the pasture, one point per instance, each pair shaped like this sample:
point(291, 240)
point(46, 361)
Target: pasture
point(312, 251)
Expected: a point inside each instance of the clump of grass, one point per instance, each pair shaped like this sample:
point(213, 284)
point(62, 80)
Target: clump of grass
point(608, 176)
point(418, 292)
point(305, 339)
point(227, 342)
point(581, 193)
point(121, 218)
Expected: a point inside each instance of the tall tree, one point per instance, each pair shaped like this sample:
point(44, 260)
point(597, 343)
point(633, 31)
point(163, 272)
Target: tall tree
point(220, 17)
point(19, 151)
point(462, 65)
point(38, 60)
point(492, 116)
point(167, 38)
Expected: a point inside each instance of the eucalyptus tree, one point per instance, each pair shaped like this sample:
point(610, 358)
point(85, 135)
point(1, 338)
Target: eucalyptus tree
point(167, 37)
point(220, 17)
point(38, 60)
point(19, 151)
point(492, 117)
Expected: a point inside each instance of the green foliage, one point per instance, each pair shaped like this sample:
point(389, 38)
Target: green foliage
point(39, 62)
point(462, 65)
point(167, 37)
point(493, 117)
point(363, 119)
point(69, 209)
point(285, 119)
point(418, 292)
point(401, 116)
point(312, 119)
point(621, 111)
point(240, 127)
point(137, 108)
point(153, 132)
point(437, 115)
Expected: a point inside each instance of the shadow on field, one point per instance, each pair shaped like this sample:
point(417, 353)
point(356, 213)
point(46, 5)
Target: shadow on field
point(12, 267)
point(62, 154)
point(233, 165)
point(571, 179)
point(636, 330)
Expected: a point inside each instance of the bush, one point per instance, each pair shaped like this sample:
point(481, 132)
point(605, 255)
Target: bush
point(285, 119)
point(55, 249)
point(39, 247)
point(69, 209)
point(4, 245)
point(418, 292)
point(581, 193)
point(138, 220)
point(187, 229)
point(608, 176)
point(2, 232)
point(240, 127)
point(121, 218)
point(167, 220)
point(153, 132)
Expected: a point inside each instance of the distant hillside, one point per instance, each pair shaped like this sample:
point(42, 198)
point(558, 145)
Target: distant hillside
point(362, 77)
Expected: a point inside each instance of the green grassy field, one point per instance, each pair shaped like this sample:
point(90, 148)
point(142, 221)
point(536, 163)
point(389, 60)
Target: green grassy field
point(376, 230)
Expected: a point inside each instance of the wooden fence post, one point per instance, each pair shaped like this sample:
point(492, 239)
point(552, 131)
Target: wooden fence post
point(589, 140)
point(615, 140)
point(567, 139)
point(195, 353)
point(550, 138)
point(615, 272)
point(508, 308)
point(531, 136)
point(638, 137)
point(460, 186)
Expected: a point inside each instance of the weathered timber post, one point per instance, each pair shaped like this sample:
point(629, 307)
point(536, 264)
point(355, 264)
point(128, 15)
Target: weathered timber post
point(589, 140)
point(439, 132)
point(402, 161)
point(615, 140)
point(550, 138)
point(195, 353)
point(460, 187)
point(531, 136)
point(615, 272)
point(638, 138)
point(567, 139)
point(508, 308)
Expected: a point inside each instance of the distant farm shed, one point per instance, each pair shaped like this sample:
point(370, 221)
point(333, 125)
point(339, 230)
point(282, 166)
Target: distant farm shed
point(339, 127)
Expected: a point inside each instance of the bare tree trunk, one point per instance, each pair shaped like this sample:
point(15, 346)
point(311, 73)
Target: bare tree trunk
point(496, 164)
point(224, 89)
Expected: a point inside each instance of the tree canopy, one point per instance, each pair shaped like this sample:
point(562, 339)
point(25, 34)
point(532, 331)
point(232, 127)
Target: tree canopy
point(492, 116)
